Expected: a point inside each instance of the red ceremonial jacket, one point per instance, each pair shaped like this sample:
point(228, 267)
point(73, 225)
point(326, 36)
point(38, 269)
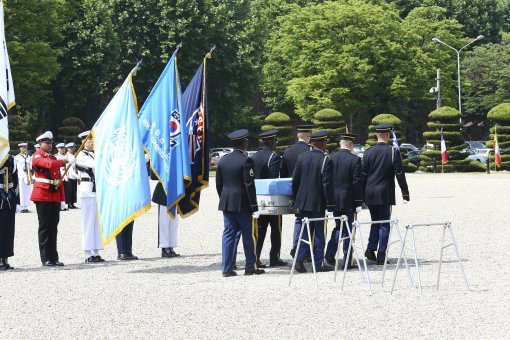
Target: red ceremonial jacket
point(41, 191)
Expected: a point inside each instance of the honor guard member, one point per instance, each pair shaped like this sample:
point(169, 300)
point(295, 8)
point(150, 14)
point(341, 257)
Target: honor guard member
point(312, 185)
point(235, 184)
point(8, 194)
point(347, 192)
point(168, 227)
point(267, 164)
point(71, 178)
point(381, 164)
point(24, 166)
point(289, 159)
point(37, 147)
point(61, 154)
point(48, 193)
point(86, 167)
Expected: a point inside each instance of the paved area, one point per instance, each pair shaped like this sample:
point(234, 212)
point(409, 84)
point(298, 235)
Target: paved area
point(186, 297)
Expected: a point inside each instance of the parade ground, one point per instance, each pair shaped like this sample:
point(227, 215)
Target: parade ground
point(187, 297)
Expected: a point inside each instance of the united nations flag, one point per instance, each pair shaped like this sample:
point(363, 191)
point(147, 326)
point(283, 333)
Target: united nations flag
point(122, 183)
point(164, 135)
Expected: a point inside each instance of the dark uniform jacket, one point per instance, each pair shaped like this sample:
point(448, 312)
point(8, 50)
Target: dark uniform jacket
point(381, 164)
point(290, 157)
point(266, 163)
point(312, 182)
point(235, 183)
point(347, 180)
point(8, 194)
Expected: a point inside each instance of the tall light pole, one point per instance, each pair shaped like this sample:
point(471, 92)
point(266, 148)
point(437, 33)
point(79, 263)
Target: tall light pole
point(480, 37)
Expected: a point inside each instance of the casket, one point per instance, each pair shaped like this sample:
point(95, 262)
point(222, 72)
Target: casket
point(274, 196)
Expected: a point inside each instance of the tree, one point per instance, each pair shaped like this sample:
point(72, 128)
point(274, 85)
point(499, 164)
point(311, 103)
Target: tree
point(70, 129)
point(500, 116)
point(18, 131)
point(332, 121)
point(280, 121)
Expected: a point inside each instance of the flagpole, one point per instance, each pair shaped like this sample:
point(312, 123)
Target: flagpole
point(442, 164)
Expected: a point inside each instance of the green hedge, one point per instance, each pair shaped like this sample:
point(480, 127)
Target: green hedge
point(500, 114)
point(328, 115)
point(386, 118)
point(445, 127)
point(277, 118)
point(444, 114)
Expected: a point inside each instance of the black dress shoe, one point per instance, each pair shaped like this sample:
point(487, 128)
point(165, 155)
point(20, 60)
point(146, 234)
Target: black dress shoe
point(330, 260)
point(48, 264)
point(300, 267)
point(99, 258)
point(127, 257)
point(380, 263)
point(349, 266)
point(278, 263)
point(168, 252)
point(3, 266)
point(370, 255)
point(324, 268)
point(261, 265)
point(90, 259)
point(58, 263)
point(293, 252)
point(229, 274)
point(255, 272)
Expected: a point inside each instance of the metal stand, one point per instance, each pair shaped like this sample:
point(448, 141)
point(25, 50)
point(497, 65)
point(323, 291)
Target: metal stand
point(446, 226)
point(305, 222)
point(394, 226)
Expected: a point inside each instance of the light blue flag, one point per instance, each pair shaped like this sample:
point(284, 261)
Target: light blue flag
point(164, 135)
point(395, 140)
point(122, 183)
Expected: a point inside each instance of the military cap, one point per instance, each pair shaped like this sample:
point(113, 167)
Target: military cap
point(60, 145)
point(69, 145)
point(45, 137)
point(23, 144)
point(319, 136)
point(269, 134)
point(383, 128)
point(84, 134)
point(37, 146)
point(347, 136)
point(304, 127)
point(238, 134)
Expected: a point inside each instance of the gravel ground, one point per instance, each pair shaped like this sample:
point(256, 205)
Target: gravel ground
point(187, 297)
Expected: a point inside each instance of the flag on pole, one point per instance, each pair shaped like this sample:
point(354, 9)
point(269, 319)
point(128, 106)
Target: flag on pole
point(7, 100)
point(395, 140)
point(444, 154)
point(497, 154)
point(164, 136)
point(194, 105)
point(122, 182)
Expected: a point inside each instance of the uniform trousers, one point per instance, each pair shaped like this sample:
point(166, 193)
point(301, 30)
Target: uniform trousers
point(168, 229)
point(91, 237)
point(48, 214)
point(7, 214)
point(276, 235)
point(379, 233)
point(297, 230)
point(25, 190)
point(125, 240)
point(70, 188)
point(233, 223)
point(332, 247)
point(317, 229)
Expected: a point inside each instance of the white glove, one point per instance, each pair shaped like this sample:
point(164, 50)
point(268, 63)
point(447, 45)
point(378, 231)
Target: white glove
point(72, 161)
point(358, 209)
point(406, 201)
point(329, 214)
point(256, 214)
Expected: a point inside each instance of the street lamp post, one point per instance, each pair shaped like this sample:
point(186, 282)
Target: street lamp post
point(480, 37)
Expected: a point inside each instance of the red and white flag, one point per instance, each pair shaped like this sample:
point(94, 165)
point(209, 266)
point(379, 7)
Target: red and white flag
point(497, 154)
point(444, 154)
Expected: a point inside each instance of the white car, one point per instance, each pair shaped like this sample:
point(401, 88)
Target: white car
point(477, 156)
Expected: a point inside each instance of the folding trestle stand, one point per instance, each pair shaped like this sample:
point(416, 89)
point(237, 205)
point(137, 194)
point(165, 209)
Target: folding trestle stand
point(358, 248)
point(447, 226)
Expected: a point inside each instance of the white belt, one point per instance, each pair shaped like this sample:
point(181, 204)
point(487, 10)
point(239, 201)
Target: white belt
point(2, 186)
point(48, 181)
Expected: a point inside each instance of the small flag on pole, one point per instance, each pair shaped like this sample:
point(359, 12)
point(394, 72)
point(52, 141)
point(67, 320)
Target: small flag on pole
point(444, 154)
point(395, 140)
point(497, 154)
point(6, 91)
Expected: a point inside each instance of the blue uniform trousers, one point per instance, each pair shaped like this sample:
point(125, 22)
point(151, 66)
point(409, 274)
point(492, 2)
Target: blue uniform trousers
point(333, 242)
point(297, 229)
point(125, 240)
point(379, 233)
point(235, 222)
point(317, 229)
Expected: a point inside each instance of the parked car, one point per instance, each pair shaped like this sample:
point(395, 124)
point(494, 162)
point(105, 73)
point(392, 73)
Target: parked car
point(414, 157)
point(221, 150)
point(214, 157)
point(477, 146)
point(477, 156)
point(408, 146)
point(359, 150)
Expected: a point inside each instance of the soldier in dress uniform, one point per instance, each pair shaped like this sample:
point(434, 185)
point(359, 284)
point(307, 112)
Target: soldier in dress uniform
point(86, 168)
point(168, 227)
point(312, 185)
point(24, 166)
point(8, 194)
point(37, 147)
point(71, 178)
point(267, 164)
point(289, 160)
point(347, 191)
point(238, 200)
point(381, 164)
point(48, 193)
point(61, 154)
